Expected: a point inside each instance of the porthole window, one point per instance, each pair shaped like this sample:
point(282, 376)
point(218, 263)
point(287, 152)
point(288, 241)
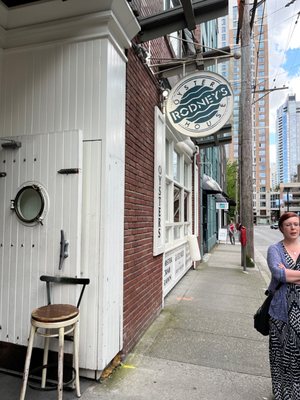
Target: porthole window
point(30, 204)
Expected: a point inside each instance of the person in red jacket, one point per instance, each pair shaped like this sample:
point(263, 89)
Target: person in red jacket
point(231, 231)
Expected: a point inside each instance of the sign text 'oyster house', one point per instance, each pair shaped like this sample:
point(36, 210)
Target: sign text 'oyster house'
point(200, 104)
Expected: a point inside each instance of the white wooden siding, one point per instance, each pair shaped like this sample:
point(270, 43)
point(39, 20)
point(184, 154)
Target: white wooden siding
point(71, 86)
point(27, 252)
point(52, 88)
point(91, 224)
point(112, 209)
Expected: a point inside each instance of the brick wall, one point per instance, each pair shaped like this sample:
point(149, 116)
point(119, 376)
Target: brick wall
point(142, 271)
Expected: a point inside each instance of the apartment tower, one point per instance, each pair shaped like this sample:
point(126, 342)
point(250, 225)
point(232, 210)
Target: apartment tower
point(228, 27)
point(288, 139)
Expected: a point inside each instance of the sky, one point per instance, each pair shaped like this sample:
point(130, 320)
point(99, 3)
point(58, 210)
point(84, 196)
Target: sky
point(284, 56)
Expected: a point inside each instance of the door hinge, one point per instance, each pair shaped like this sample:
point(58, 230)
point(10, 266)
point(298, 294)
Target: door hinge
point(69, 171)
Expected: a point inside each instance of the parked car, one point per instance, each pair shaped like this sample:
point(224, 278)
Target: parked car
point(274, 226)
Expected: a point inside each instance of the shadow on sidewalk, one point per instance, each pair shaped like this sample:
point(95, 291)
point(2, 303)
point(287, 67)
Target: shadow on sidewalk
point(10, 386)
point(202, 346)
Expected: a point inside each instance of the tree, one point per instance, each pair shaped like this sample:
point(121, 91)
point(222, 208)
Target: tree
point(232, 190)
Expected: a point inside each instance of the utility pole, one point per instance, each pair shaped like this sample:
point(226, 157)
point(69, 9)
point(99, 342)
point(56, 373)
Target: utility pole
point(246, 157)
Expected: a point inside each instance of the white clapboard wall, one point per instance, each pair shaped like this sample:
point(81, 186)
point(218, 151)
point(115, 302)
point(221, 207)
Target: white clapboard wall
point(26, 252)
point(64, 87)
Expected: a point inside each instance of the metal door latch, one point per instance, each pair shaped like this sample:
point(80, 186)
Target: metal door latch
point(64, 249)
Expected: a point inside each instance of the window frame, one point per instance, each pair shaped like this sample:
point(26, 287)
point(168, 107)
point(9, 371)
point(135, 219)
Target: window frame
point(176, 231)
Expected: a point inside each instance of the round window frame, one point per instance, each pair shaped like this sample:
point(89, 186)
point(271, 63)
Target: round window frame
point(44, 203)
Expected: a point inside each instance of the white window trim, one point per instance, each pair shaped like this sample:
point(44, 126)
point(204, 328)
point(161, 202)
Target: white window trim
point(164, 186)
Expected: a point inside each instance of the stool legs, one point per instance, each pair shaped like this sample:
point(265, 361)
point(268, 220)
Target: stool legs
point(27, 362)
point(45, 360)
point(76, 358)
point(60, 362)
point(61, 338)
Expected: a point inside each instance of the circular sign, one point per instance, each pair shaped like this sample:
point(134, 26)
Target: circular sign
point(200, 104)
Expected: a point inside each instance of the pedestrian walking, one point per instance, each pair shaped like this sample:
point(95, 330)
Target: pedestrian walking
point(231, 232)
point(284, 338)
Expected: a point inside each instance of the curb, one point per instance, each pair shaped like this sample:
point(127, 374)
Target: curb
point(262, 266)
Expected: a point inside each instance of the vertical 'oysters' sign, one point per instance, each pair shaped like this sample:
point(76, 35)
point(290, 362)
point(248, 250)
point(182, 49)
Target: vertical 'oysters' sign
point(200, 104)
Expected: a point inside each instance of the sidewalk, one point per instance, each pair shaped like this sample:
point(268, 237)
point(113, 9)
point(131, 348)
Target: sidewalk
point(203, 344)
point(201, 347)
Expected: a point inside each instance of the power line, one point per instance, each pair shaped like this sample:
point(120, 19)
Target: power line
point(258, 47)
point(274, 12)
point(277, 22)
point(292, 29)
point(267, 92)
point(289, 3)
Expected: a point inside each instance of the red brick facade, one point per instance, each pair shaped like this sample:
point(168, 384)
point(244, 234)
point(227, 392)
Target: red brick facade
point(142, 271)
point(143, 280)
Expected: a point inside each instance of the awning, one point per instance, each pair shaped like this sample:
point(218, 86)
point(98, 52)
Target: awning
point(230, 201)
point(210, 186)
point(223, 136)
point(220, 198)
point(186, 14)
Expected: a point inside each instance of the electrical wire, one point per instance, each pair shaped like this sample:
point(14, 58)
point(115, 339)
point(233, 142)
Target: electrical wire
point(292, 30)
point(235, 83)
point(210, 48)
point(259, 40)
point(258, 47)
point(267, 16)
point(186, 59)
point(277, 24)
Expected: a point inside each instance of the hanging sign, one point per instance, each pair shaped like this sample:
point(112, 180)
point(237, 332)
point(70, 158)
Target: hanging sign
point(222, 206)
point(200, 104)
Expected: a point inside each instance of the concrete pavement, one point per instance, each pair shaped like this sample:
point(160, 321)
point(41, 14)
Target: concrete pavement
point(203, 344)
point(201, 347)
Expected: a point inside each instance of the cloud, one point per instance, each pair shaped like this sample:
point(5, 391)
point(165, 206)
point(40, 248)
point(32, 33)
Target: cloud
point(284, 35)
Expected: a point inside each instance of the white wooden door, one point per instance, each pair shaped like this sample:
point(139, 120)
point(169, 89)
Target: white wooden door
point(49, 167)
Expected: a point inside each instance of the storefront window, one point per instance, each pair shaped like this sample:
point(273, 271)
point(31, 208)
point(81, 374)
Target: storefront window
point(186, 175)
point(167, 157)
point(178, 200)
point(177, 232)
point(186, 206)
point(168, 234)
point(176, 166)
point(177, 205)
point(168, 196)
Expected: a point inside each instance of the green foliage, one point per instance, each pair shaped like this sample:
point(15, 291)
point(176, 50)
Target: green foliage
point(231, 179)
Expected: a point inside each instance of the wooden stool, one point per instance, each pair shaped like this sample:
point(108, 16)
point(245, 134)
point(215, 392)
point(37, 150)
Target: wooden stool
point(55, 320)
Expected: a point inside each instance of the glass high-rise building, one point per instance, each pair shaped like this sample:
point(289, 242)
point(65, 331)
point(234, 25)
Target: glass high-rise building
point(288, 139)
point(260, 102)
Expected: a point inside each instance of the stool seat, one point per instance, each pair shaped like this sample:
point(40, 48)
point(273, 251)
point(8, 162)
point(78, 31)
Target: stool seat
point(55, 321)
point(55, 313)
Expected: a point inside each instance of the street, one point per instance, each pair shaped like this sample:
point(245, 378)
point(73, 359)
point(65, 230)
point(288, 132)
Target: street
point(264, 236)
